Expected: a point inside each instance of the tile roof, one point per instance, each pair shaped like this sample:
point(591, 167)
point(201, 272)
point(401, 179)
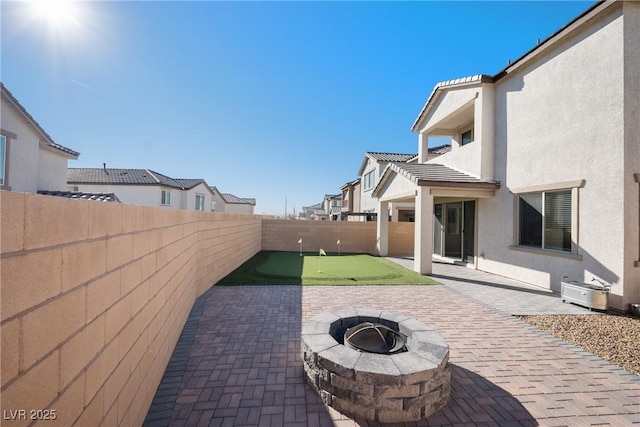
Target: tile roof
point(100, 197)
point(424, 173)
point(475, 79)
point(49, 141)
point(390, 157)
point(127, 177)
point(230, 198)
point(440, 149)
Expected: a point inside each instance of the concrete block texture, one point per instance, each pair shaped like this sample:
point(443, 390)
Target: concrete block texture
point(398, 387)
point(355, 237)
point(34, 274)
point(12, 222)
point(94, 298)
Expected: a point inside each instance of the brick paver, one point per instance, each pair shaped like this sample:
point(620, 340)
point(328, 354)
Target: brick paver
point(244, 366)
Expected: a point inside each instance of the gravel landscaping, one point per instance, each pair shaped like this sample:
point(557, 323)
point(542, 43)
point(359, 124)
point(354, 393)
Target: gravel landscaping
point(614, 338)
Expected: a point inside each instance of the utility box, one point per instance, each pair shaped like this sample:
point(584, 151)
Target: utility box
point(594, 297)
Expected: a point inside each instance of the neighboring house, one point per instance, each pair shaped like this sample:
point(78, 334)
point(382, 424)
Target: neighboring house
point(351, 201)
point(240, 205)
point(143, 187)
point(330, 209)
point(333, 206)
point(309, 212)
point(30, 161)
point(543, 178)
point(218, 203)
point(371, 169)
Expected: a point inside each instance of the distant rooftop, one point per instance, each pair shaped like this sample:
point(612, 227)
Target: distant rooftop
point(128, 177)
point(230, 198)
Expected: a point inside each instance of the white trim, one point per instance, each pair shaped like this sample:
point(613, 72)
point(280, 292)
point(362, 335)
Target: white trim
point(463, 193)
point(574, 220)
point(567, 185)
point(3, 159)
point(401, 196)
point(163, 199)
point(550, 252)
point(636, 178)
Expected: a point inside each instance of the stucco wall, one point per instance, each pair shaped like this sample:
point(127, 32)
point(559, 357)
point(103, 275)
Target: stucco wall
point(632, 150)
point(52, 171)
point(141, 195)
point(29, 167)
point(355, 237)
point(239, 208)
point(22, 163)
point(560, 118)
point(94, 298)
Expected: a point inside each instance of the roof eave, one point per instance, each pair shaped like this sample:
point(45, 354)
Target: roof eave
point(550, 41)
point(43, 134)
point(441, 86)
point(459, 184)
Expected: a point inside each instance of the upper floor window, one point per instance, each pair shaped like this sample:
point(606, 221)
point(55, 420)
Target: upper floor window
point(165, 199)
point(466, 137)
point(544, 220)
point(3, 151)
point(369, 180)
point(199, 202)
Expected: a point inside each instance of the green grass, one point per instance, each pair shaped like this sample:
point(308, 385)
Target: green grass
point(289, 268)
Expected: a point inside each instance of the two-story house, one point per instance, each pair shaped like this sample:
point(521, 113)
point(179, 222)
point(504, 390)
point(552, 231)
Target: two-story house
point(235, 204)
point(351, 201)
point(144, 187)
point(330, 209)
point(543, 178)
point(30, 160)
point(371, 170)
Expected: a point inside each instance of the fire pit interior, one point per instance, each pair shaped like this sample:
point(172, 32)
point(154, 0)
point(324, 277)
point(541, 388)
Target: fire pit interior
point(374, 338)
point(376, 365)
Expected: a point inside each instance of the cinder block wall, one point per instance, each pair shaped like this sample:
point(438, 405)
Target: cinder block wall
point(355, 237)
point(94, 297)
point(401, 238)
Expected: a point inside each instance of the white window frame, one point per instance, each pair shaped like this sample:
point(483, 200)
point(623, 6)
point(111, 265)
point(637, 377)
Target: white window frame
point(572, 186)
point(464, 130)
point(3, 159)
point(165, 197)
point(369, 180)
point(200, 199)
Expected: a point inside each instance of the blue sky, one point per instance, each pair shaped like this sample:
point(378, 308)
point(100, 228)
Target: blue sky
point(270, 100)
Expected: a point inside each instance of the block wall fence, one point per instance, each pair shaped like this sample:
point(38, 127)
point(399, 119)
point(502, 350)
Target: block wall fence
point(94, 296)
point(354, 236)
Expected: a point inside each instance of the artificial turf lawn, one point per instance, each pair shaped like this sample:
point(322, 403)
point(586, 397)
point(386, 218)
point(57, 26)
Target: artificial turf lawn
point(289, 268)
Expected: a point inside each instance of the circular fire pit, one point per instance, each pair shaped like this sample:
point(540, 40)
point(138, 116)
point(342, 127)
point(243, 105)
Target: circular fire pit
point(376, 376)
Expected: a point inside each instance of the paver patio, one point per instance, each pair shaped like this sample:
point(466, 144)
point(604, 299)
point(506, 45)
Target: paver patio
point(238, 361)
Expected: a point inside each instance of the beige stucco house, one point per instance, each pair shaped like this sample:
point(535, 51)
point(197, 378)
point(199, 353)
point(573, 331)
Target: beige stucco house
point(30, 161)
point(235, 204)
point(543, 178)
point(351, 201)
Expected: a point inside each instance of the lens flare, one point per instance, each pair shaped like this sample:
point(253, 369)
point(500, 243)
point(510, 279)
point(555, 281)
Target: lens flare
point(57, 13)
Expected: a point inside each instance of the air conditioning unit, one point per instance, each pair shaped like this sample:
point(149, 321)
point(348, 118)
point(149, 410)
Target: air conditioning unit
point(588, 295)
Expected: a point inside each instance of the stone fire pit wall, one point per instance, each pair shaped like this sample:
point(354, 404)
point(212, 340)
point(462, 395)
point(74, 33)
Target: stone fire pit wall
point(400, 387)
